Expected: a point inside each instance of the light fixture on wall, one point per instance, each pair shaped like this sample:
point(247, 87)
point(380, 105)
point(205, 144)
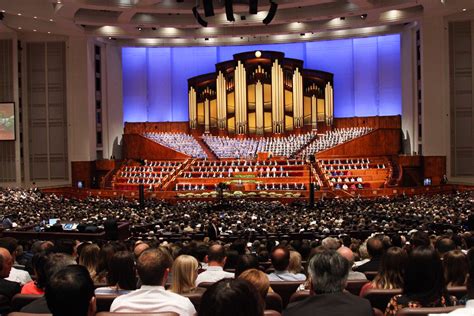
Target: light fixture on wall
point(258, 54)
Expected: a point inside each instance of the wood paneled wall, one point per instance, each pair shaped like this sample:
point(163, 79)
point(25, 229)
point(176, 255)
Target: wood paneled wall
point(381, 142)
point(371, 121)
point(157, 127)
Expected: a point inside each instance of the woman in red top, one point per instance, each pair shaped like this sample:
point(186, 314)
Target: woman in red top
point(37, 286)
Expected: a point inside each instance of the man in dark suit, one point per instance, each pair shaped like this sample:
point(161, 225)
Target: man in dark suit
point(7, 288)
point(375, 249)
point(213, 230)
point(328, 272)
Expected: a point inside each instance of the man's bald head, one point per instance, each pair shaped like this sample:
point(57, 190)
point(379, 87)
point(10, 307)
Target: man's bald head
point(216, 254)
point(347, 253)
point(280, 258)
point(6, 262)
point(139, 248)
point(375, 247)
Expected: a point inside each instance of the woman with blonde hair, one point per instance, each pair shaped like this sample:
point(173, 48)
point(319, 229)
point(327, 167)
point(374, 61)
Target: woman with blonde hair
point(184, 274)
point(295, 262)
point(89, 258)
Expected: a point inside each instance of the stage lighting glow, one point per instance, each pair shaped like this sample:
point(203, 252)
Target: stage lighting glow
point(258, 54)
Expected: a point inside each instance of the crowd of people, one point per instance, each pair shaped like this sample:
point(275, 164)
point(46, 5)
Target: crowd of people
point(333, 138)
point(235, 277)
point(181, 142)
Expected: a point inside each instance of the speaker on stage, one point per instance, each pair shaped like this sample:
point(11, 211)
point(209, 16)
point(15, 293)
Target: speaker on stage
point(141, 194)
point(311, 195)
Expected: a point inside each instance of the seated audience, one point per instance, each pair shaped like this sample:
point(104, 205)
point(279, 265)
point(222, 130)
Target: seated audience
point(37, 286)
point(70, 292)
point(375, 249)
point(423, 283)
point(153, 267)
point(258, 279)
point(281, 260)
point(349, 256)
point(7, 288)
point(216, 259)
point(390, 274)
point(231, 297)
point(328, 273)
point(246, 262)
point(121, 275)
point(16, 275)
point(455, 268)
point(88, 258)
point(184, 274)
point(54, 262)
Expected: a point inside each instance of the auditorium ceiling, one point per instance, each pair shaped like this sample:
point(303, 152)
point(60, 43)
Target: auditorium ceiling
point(172, 22)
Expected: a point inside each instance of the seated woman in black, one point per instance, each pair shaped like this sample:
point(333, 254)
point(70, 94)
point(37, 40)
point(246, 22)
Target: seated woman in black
point(424, 284)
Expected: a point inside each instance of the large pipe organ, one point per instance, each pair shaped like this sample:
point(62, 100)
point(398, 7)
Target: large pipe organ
point(260, 92)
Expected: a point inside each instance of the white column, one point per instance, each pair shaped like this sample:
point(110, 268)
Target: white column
point(240, 99)
point(277, 98)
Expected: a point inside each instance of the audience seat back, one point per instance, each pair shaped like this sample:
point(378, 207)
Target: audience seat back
point(299, 296)
point(4, 304)
point(379, 298)
point(274, 302)
point(354, 286)
point(21, 300)
point(370, 275)
point(103, 302)
point(285, 289)
point(425, 311)
point(377, 312)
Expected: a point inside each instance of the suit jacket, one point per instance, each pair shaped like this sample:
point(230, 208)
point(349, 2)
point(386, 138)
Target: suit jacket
point(9, 288)
point(334, 304)
point(212, 232)
point(372, 265)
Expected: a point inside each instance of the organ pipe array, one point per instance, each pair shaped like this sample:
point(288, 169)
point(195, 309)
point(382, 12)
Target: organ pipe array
point(192, 108)
point(287, 96)
point(221, 101)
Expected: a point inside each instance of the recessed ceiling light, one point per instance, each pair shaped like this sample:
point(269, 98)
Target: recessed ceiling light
point(110, 37)
point(35, 17)
point(19, 27)
point(50, 20)
point(3, 11)
point(464, 10)
point(34, 30)
point(49, 32)
point(139, 28)
point(19, 13)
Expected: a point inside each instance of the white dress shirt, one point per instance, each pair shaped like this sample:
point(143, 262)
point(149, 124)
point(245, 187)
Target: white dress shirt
point(153, 299)
point(213, 274)
point(286, 276)
point(20, 276)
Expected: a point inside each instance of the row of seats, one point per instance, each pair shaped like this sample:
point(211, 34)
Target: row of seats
point(284, 293)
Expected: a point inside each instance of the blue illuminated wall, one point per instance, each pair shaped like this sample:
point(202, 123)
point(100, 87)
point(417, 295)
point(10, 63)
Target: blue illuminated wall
point(366, 71)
